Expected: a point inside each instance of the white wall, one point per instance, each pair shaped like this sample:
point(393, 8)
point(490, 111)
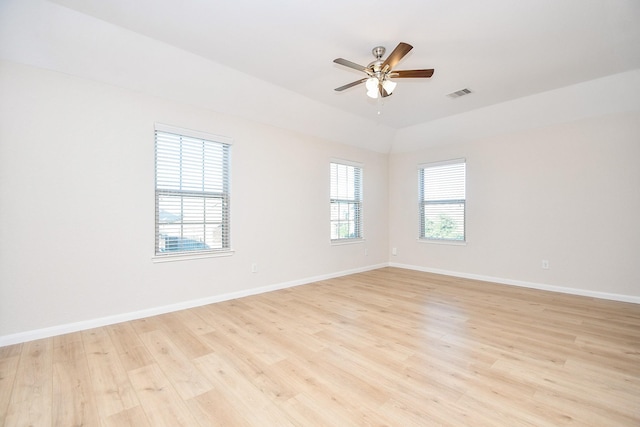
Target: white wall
point(76, 179)
point(567, 193)
point(77, 204)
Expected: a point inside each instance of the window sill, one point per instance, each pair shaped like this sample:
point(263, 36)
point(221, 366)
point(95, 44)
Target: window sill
point(346, 242)
point(443, 242)
point(188, 256)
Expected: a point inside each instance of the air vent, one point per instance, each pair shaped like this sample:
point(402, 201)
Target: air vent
point(459, 93)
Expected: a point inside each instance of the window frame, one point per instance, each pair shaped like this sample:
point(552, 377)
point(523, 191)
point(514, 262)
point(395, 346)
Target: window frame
point(423, 204)
point(222, 166)
point(356, 201)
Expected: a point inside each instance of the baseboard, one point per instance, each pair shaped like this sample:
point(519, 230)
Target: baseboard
point(524, 284)
point(124, 317)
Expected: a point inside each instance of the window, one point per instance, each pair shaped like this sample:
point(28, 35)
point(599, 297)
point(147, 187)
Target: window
point(346, 201)
point(192, 191)
point(442, 200)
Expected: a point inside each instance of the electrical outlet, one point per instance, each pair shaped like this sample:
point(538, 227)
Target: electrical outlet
point(254, 268)
point(366, 252)
point(394, 251)
point(545, 264)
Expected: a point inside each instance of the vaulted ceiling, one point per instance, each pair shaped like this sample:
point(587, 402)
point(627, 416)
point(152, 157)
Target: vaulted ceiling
point(499, 49)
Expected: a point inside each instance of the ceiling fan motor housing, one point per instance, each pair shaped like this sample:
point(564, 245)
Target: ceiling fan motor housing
point(376, 66)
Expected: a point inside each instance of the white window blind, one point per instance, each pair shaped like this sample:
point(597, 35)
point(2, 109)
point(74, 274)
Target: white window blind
point(442, 200)
point(346, 201)
point(192, 192)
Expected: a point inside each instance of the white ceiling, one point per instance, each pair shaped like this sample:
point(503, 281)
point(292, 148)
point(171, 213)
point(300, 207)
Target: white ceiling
point(529, 63)
point(500, 49)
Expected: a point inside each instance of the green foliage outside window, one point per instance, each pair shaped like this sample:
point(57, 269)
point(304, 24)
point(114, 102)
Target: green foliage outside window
point(443, 228)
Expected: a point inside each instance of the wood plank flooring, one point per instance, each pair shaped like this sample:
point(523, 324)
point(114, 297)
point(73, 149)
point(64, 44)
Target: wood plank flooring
point(389, 347)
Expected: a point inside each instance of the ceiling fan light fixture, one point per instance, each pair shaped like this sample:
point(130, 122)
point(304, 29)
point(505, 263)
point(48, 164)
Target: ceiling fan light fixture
point(373, 93)
point(372, 84)
point(389, 86)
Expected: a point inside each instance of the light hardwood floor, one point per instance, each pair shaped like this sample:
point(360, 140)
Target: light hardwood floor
point(386, 347)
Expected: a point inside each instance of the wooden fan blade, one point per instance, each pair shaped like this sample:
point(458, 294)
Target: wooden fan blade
point(402, 74)
point(398, 53)
point(350, 64)
point(347, 86)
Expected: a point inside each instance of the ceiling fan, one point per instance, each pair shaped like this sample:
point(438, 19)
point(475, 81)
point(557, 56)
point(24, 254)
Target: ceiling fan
point(379, 72)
